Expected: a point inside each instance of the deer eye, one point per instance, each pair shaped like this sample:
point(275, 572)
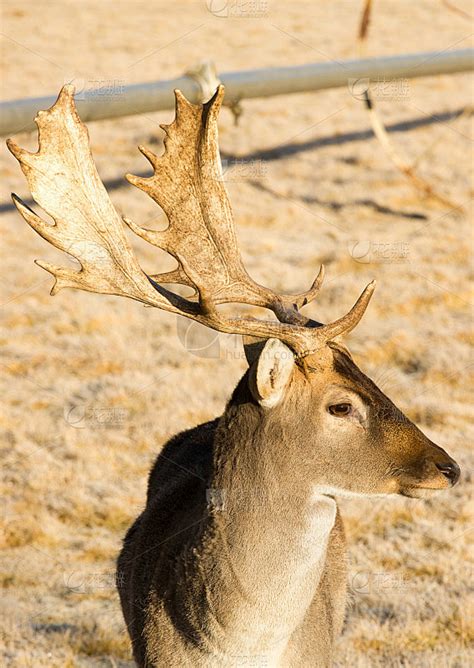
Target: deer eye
point(340, 410)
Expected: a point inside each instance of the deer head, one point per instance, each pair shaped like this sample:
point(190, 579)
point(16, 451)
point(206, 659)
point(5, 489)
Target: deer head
point(350, 438)
point(349, 434)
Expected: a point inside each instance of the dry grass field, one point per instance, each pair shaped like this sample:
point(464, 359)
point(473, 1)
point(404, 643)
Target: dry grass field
point(92, 386)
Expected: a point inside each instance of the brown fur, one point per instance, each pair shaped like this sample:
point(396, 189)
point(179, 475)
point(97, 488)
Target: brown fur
point(227, 581)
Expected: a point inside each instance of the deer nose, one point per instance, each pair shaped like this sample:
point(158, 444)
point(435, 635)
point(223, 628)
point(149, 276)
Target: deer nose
point(451, 470)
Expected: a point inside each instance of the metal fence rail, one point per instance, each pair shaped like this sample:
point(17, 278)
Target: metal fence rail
point(17, 115)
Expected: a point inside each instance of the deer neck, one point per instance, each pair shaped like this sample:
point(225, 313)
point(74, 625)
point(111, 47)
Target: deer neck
point(270, 532)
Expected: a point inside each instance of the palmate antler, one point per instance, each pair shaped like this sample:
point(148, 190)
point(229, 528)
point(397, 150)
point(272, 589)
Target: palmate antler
point(187, 183)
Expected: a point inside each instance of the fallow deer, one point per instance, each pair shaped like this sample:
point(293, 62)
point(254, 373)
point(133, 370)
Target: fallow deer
point(239, 554)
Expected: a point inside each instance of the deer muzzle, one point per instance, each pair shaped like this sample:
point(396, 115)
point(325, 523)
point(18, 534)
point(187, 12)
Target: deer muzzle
point(438, 471)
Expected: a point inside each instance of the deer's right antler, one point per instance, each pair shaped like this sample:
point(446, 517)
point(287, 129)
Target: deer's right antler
point(187, 183)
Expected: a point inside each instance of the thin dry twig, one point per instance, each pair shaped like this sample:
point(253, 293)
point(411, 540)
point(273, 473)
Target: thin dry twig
point(457, 10)
point(378, 127)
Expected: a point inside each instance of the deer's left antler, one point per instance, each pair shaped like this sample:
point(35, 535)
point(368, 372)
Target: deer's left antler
point(188, 184)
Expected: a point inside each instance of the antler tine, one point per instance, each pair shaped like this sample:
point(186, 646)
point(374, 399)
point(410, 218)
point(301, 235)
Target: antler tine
point(64, 181)
point(187, 183)
point(347, 323)
point(344, 325)
point(312, 293)
point(297, 302)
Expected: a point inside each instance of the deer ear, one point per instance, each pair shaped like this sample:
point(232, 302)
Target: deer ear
point(270, 374)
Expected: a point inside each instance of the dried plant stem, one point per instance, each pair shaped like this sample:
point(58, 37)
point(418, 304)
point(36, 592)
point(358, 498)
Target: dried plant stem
point(378, 127)
point(453, 8)
point(409, 170)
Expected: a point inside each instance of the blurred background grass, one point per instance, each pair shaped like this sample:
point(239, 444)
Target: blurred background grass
point(93, 385)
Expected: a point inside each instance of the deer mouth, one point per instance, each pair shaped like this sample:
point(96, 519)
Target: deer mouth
point(422, 492)
point(447, 475)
